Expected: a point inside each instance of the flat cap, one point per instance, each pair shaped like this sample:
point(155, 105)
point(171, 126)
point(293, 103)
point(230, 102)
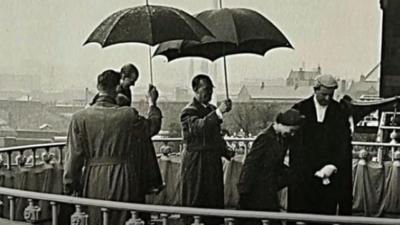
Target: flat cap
point(291, 117)
point(326, 80)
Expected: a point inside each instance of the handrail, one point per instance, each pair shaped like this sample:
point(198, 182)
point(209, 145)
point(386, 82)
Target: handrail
point(198, 211)
point(157, 139)
point(35, 146)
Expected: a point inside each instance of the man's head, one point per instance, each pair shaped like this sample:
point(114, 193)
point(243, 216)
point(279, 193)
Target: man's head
point(129, 74)
point(324, 89)
point(203, 88)
point(287, 123)
point(108, 81)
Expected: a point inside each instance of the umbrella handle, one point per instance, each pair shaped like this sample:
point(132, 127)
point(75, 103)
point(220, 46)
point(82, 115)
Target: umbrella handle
point(151, 66)
point(226, 79)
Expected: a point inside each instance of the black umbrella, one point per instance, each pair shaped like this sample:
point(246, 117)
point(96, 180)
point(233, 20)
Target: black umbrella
point(236, 30)
point(149, 24)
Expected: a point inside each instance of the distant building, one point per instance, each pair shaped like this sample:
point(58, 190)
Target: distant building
point(19, 82)
point(368, 85)
point(182, 94)
point(301, 77)
point(266, 93)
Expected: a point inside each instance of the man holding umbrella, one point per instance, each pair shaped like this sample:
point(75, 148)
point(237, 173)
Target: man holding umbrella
point(113, 145)
point(201, 169)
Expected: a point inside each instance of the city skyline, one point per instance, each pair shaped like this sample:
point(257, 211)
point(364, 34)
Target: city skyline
point(342, 36)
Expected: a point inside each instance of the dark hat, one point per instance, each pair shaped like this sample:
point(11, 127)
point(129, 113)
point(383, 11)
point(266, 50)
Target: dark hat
point(291, 117)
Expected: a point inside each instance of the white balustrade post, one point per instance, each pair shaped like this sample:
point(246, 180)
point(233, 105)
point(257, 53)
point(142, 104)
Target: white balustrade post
point(32, 212)
point(197, 221)
point(79, 217)
point(54, 214)
point(105, 215)
point(164, 219)
point(134, 220)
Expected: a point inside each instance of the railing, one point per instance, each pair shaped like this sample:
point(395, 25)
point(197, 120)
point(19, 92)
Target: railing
point(79, 217)
point(55, 150)
point(39, 153)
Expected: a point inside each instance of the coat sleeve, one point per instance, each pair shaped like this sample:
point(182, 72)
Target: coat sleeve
point(146, 127)
point(74, 158)
point(194, 124)
point(154, 118)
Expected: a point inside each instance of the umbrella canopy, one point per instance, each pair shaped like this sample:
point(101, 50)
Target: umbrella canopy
point(236, 30)
point(149, 24)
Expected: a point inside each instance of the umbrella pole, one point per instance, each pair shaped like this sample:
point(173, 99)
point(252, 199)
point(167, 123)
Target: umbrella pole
point(226, 79)
point(151, 65)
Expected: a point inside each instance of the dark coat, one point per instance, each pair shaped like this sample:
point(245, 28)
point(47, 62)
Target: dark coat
point(201, 168)
point(316, 145)
point(263, 173)
point(113, 145)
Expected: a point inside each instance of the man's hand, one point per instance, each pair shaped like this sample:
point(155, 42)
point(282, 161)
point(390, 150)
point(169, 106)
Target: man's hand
point(157, 190)
point(325, 172)
point(230, 154)
point(152, 95)
point(225, 106)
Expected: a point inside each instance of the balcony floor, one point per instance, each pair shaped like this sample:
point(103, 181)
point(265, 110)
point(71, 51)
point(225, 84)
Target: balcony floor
point(7, 222)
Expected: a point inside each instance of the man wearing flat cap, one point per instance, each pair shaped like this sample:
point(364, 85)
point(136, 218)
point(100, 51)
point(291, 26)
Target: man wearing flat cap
point(264, 173)
point(320, 155)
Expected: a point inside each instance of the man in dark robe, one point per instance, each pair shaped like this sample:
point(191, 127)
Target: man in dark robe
point(201, 169)
point(320, 156)
point(113, 144)
point(264, 172)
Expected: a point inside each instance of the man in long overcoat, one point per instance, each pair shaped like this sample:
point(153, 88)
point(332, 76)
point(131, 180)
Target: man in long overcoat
point(201, 169)
point(264, 172)
point(321, 155)
point(113, 145)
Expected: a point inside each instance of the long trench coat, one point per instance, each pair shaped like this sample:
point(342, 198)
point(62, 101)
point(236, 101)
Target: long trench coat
point(263, 174)
point(201, 169)
point(316, 145)
point(114, 146)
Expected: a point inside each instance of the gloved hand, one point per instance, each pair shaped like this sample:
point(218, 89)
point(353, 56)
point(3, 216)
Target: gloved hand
point(325, 172)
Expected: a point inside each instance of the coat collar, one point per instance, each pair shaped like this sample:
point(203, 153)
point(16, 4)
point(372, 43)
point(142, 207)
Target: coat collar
point(105, 101)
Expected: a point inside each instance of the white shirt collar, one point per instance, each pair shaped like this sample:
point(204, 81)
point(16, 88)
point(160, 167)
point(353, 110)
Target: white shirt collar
point(320, 110)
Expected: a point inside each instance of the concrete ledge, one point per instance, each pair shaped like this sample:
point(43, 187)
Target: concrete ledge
point(8, 222)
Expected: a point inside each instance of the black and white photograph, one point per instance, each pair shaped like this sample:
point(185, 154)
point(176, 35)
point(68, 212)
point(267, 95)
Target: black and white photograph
point(214, 112)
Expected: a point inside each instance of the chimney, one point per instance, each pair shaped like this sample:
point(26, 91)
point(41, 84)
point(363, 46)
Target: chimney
point(262, 85)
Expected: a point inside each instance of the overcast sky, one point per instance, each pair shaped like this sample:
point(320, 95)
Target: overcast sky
point(45, 37)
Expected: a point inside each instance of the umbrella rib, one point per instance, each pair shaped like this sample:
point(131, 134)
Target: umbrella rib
point(114, 24)
point(150, 24)
point(235, 27)
point(184, 19)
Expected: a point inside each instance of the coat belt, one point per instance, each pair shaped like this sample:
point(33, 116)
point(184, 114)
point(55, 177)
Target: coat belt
point(105, 161)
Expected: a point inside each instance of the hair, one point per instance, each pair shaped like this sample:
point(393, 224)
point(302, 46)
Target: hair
point(129, 69)
point(196, 81)
point(108, 80)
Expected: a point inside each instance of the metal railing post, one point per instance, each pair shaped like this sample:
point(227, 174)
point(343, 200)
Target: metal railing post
point(134, 220)
point(32, 212)
point(197, 221)
point(164, 218)
point(12, 207)
point(79, 217)
point(54, 214)
point(230, 221)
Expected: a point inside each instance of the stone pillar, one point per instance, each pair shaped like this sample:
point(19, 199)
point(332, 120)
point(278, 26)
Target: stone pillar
point(390, 55)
